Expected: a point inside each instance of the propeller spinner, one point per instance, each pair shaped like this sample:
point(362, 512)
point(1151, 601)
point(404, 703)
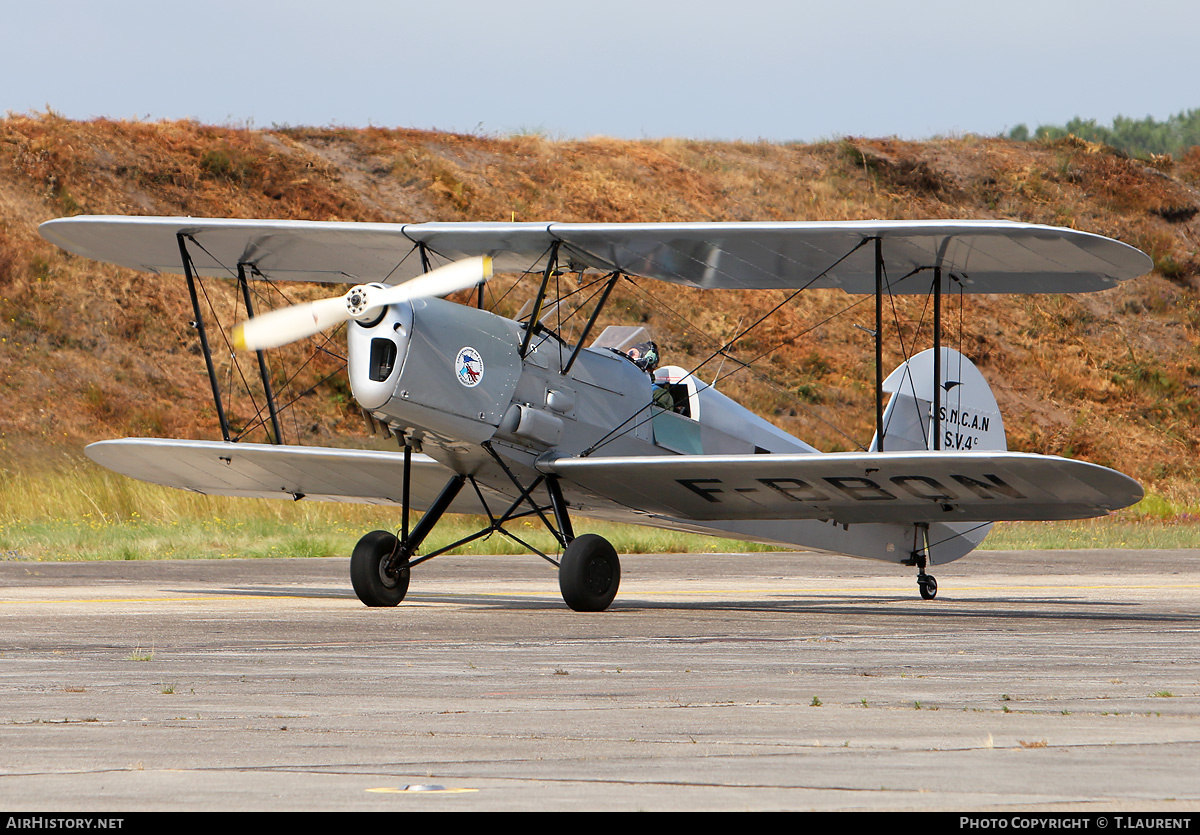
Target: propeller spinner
point(288, 324)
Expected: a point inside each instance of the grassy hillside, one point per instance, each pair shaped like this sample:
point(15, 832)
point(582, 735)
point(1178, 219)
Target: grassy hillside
point(89, 351)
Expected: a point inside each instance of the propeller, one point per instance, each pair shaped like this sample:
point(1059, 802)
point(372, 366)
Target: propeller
point(279, 327)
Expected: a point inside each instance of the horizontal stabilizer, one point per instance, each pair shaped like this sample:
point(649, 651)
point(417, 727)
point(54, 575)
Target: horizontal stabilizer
point(843, 487)
point(268, 471)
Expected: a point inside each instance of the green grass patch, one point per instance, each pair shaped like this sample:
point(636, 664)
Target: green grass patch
point(1091, 533)
point(87, 513)
point(1155, 522)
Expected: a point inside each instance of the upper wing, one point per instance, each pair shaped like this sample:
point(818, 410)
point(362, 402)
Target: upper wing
point(984, 256)
point(976, 256)
point(287, 250)
point(267, 471)
point(898, 487)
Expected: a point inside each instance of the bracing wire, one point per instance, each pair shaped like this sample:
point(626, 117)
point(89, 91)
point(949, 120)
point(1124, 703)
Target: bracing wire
point(621, 429)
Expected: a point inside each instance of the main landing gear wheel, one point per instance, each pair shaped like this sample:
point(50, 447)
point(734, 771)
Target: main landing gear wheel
point(928, 586)
point(589, 573)
point(373, 583)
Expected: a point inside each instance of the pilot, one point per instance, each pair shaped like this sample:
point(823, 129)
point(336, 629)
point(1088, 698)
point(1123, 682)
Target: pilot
point(644, 356)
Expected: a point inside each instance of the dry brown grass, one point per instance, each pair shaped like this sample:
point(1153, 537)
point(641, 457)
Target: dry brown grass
point(93, 351)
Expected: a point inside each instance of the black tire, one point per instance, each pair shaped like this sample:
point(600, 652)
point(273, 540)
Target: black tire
point(589, 573)
point(928, 586)
point(373, 585)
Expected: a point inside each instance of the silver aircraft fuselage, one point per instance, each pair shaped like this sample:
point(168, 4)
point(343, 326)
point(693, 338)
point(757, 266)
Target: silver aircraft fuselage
point(449, 379)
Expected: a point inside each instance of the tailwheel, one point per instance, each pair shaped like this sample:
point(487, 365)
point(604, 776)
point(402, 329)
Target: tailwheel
point(921, 557)
point(928, 586)
point(374, 583)
point(589, 573)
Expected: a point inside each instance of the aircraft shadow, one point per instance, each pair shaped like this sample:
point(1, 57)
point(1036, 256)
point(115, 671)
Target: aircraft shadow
point(945, 608)
point(500, 602)
point(896, 607)
point(268, 591)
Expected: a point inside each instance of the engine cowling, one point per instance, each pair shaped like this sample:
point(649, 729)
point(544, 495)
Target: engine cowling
point(437, 367)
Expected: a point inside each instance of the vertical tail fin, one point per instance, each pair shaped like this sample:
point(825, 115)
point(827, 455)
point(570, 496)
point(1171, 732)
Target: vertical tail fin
point(968, 417)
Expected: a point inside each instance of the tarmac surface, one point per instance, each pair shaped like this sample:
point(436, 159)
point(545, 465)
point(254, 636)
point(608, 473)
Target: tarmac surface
point(1035, 681)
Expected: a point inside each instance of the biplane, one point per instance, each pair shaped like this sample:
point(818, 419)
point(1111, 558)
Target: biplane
point(507, 419)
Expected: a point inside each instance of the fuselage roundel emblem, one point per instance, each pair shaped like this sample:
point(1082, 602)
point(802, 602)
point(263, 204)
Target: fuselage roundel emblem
point(468, 365)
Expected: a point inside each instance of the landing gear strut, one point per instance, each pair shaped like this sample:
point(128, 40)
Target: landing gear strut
point(589, 571)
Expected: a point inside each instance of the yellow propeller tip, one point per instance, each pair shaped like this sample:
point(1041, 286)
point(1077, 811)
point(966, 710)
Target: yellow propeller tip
point(239, 338)
point(487, 266)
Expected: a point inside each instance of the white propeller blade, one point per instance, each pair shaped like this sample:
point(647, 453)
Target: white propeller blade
point(279, 327)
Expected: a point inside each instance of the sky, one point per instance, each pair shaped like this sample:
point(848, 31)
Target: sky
point(705, 69)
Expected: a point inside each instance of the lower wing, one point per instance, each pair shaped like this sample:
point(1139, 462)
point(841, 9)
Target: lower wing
point(268, 471)
point(852, 488)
